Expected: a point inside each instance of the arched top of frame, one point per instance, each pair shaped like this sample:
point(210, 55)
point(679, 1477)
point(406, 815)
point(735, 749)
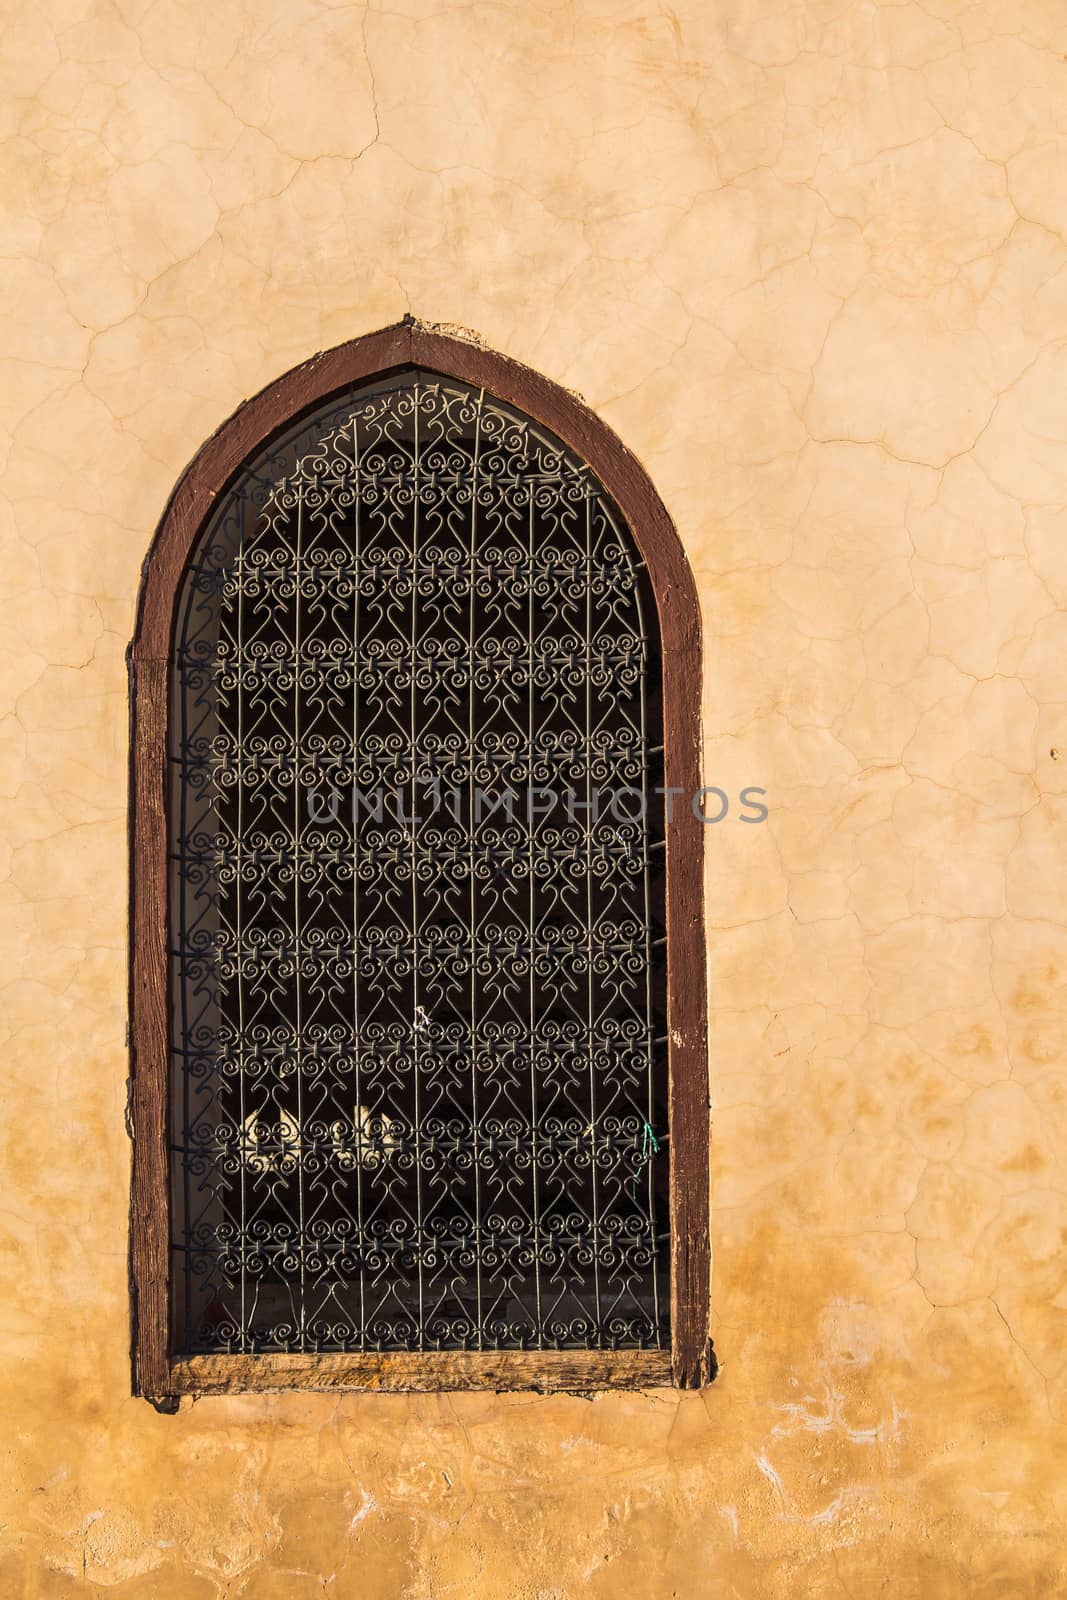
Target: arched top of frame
point(260, 422)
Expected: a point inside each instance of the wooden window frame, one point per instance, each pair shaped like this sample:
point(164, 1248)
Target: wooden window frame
point(160, 1375)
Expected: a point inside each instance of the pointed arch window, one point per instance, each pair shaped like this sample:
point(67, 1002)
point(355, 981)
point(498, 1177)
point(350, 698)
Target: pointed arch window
point(419, 1091)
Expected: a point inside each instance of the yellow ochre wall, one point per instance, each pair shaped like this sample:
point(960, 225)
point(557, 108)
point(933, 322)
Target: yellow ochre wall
point(808, 259)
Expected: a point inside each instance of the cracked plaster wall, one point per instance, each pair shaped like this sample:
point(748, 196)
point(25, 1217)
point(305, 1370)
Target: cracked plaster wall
point(809, 260)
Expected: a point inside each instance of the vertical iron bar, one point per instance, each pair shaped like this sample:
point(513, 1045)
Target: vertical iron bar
point(532, 931)
point(415, 1019)
point(245, 1336)
point(471, 605)
point(183, 983)
point(589, 910)
point(357, 1043)
point(297, 929)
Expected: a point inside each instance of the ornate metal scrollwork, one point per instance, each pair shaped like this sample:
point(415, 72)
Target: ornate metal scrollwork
point(419, 1064)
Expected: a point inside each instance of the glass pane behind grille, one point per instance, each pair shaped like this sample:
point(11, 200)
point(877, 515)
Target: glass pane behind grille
point(419, 1070)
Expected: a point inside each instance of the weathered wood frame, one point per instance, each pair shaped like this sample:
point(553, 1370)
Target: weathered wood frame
point(157, 1373)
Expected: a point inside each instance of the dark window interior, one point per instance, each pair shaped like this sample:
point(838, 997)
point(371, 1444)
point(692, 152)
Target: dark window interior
point(417, 898)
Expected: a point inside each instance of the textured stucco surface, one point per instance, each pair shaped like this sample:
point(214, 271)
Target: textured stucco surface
point(810, 261)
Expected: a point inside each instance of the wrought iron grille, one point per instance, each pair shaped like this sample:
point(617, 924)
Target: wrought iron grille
point(419, 1055)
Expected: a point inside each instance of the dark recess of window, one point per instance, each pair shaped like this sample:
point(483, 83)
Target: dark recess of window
point(416, 1103)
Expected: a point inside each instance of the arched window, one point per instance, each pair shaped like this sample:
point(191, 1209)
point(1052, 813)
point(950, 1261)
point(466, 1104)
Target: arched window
point(419, 1093)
